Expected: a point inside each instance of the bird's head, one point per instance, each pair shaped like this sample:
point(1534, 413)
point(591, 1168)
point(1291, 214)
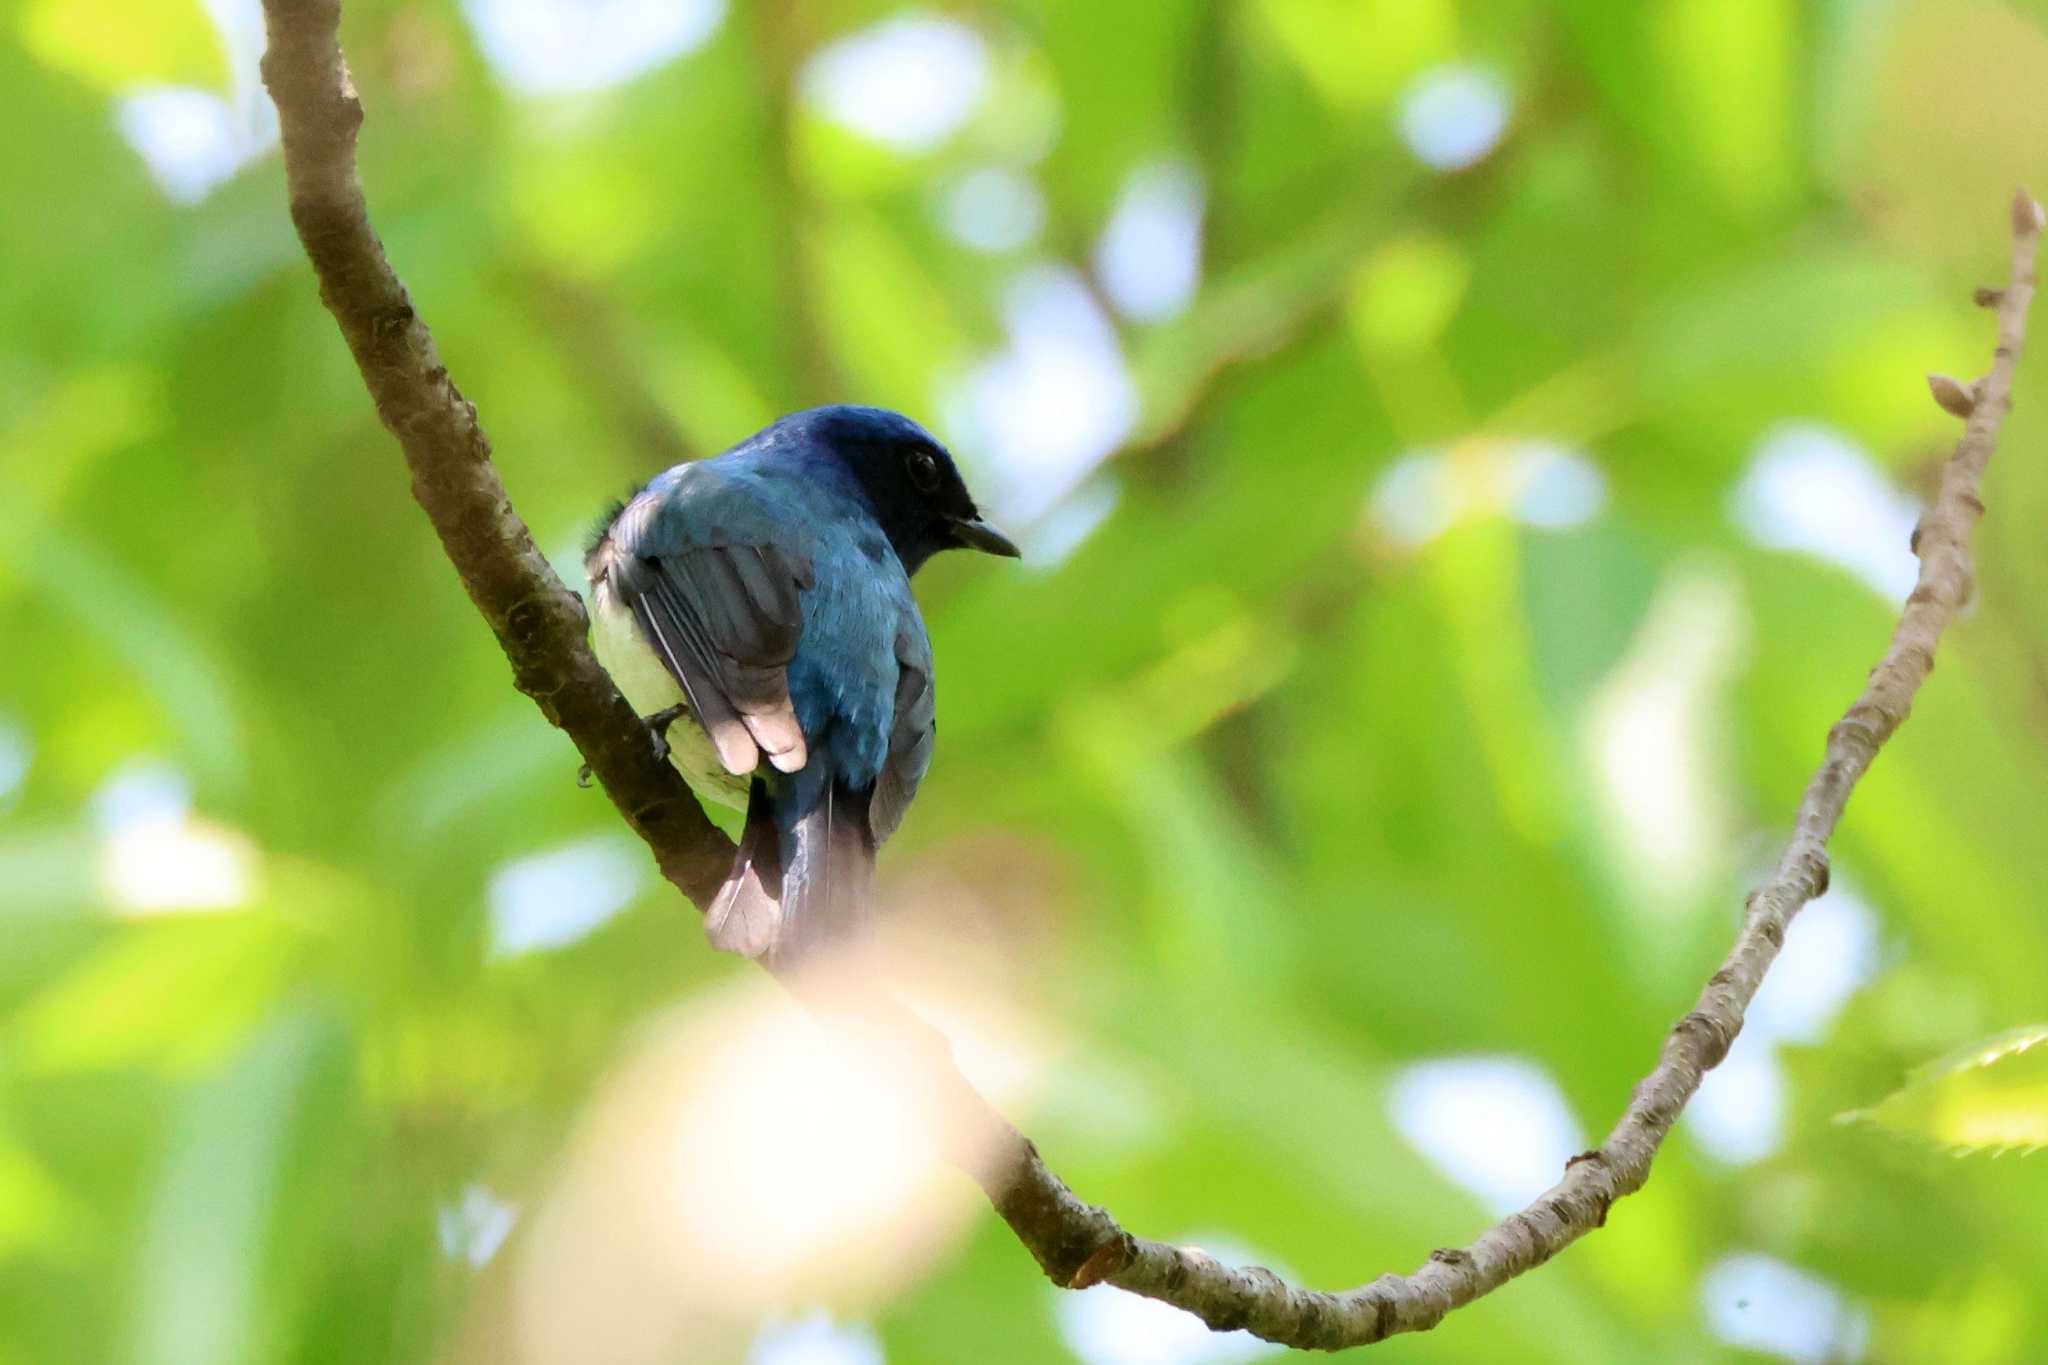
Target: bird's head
point(910, 481)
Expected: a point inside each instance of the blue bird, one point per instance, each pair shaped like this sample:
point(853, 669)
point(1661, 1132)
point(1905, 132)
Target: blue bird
point(757, 606)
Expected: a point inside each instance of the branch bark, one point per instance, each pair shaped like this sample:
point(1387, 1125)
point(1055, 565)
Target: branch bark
point(541, 626)
point(539, 623)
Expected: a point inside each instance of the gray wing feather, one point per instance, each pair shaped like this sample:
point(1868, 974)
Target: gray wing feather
point(726, 619)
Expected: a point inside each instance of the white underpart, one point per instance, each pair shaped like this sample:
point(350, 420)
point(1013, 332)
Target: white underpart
point(651, 688)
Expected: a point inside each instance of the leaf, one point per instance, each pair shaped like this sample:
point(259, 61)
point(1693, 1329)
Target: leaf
point(1358, 53)
point(184, 672)
point(220, 1256)
point(116, 45)
point(1727, 65)
point(1990, 1096)
point(188, 992)
point(1405, 295)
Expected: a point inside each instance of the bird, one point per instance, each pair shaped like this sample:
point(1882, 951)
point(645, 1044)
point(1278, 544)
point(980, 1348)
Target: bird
point(755, 608)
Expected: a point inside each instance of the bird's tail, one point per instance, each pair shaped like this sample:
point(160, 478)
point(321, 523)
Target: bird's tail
point(746, 915)
point(799, 885)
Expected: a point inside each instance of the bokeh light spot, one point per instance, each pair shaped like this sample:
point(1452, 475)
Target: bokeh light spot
point(1150, 257)
point(557, 47)
point(1810, 488)
point(1452, 116)
point(550, 900)
point(1761, 1304)
point(814, 1339)
point(1498, 1126)
point(908, 82)
point(993, 209)
point(1050, 407)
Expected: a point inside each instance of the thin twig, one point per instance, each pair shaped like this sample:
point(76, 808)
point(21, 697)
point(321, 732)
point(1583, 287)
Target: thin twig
point(541, 626)
point(1048, 1216)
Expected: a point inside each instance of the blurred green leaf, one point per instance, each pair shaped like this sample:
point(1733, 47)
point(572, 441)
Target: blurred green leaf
point(223, 1208)
point(1731, 69)
point(1991, 1096)
point(1359, 52)
point(1406, 293)
point(119, 44)
point(189, 990)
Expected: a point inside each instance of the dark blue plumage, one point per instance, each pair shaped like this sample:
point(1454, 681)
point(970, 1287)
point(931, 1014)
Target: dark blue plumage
point(766, 592)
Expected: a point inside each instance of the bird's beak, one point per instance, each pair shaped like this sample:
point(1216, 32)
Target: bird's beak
point(977, 534)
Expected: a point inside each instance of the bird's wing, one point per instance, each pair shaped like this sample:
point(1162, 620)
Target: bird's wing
point(910, 736)
point(725, 617)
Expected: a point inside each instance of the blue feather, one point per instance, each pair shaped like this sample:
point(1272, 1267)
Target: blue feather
point(862, 498)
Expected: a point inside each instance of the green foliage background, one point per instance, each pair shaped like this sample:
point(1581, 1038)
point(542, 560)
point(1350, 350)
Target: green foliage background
point(1259, 804)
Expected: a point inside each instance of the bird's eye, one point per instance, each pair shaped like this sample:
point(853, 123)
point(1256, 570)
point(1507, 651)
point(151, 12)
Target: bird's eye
point(924, 471)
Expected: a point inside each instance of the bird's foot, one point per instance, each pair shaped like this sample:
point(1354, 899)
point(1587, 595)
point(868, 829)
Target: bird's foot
point(657, 726)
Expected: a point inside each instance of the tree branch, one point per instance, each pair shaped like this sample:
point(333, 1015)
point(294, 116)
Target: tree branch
point(541, 626)
point(539, 622)
point(1048, 1216)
